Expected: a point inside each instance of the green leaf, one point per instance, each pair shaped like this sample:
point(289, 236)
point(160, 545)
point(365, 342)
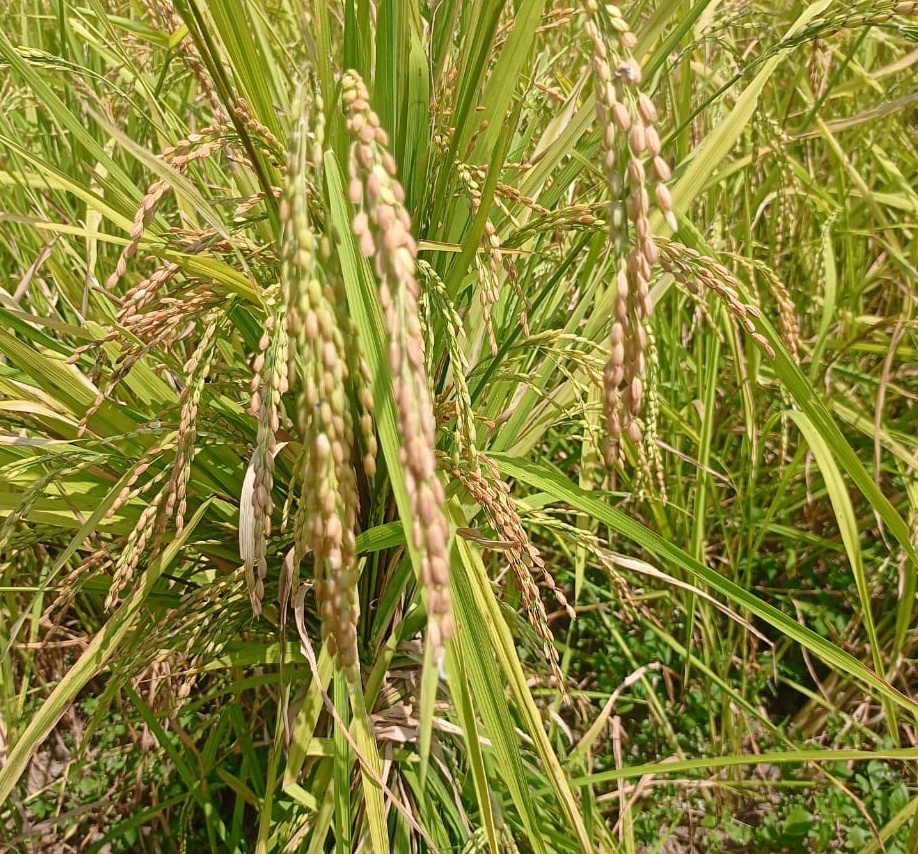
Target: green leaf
point(546, 479)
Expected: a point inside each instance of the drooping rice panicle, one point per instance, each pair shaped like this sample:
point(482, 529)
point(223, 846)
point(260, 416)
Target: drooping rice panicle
point(383, 228)
point(269, 384)
point(630, 147)
point(326, 515)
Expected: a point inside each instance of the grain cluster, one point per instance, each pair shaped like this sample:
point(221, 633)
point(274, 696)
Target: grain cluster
point(633, 168)
point(325, 522)
point(383, 228)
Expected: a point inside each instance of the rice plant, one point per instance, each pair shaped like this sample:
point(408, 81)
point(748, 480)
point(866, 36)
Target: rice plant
point(458, 426)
